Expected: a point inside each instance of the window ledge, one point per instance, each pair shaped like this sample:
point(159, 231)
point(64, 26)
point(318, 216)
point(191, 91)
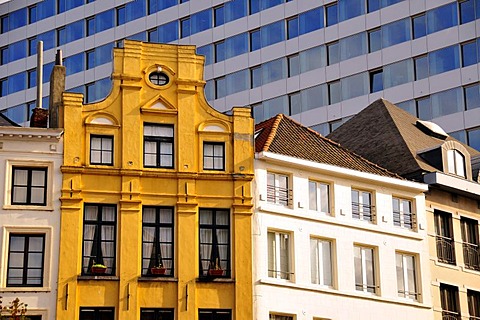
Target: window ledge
point(208, 279)
point(26, 289)
point(26, 207)
point(103, 278)
point(157, 279)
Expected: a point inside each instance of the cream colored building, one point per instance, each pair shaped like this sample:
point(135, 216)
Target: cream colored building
point(30, 160)
point(335, 236)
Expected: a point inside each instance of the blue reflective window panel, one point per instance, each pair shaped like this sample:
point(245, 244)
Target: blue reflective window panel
point(104, 20)
point(90, 56)
point(164, 4)
point(265, 4)
point(121, 15)
point(90, 22)
point(424, 108)
point(32, 14)
point(153, 6)
point(255, 43)
point(98, 90)
point(74, 31)
point(103, 54)
point(444, 60)
point(45, 9)
point(472, 96)
point(17, 19)
point(473, 137)
point(373, 5)
point(398, 73)
point(201, 21)
point(17, 114)
point(469, 53)
point(152, 35)
point(334, 92)
point(17, 50)
point(220, 88)
point(294, 103)
point(3, 87)
point(209, 90)
point(141, 36)
point(254, 6)
point(4, 24)
point(386, 3)
point(184, 28)
point(376, 81)
point(168, 32)
point(219, 51)
point(313, 58)
point(419, 25)
point(47, 70)
point(408, 106)
point(421, 67)
point(48, 39)
point(32, 78)
point(274, 70)
point(354, 86)
point(442, 17)
point(235, 9)
point(333, 53)
point(374, 40)
point(353, 46)
point(237, 81)
point(292, 28)
point(17, 82)
point(65, 5)
point(32, 46)
point(395, 33)
point(311, 20)
point(256, 77)
point(477, 9)
point(275, 106)
point(293, 65)
point(332, 14)
point(61, 6)
point(314, 97)
point(272, 33)
point(206, 51)
point(134, 10)
point(236, 45)
point(467, 11)
point(61, 36)
point(74, 64)
point(447, 102)
point(3, 55)
point(219, 16)
point(348, 9)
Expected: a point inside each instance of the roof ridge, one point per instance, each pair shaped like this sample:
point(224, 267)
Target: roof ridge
point(334, 143)
point(273, 131)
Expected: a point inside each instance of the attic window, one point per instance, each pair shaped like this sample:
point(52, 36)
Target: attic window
point(158, 78)
point(432, 129)
point(456, 162)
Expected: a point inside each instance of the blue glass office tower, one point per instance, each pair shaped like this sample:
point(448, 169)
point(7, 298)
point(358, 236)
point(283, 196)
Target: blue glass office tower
point(320, 61)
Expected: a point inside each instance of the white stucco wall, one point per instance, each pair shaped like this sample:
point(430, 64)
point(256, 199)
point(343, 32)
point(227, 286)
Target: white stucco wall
point(302, 299)
point(31, 147)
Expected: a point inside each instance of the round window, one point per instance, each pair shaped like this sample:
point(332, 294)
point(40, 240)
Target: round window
point(158, 78)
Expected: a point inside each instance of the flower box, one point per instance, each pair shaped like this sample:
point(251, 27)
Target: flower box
point(98, 270)
point(158, 270)
point(215, 272)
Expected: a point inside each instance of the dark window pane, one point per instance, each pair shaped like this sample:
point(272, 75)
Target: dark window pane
point(473, 137)
point(311, 20)
point(467, 12)
point(255, 40)
point(376, 81)
point(292, 28)
point(331, 14)
point(442, 17)
point(419, 26)
point(444, 60)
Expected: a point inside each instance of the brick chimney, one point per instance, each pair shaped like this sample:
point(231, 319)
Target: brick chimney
point(57, 87)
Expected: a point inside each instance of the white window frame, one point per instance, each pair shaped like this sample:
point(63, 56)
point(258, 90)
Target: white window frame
point(276, 189)
point(456, 163)
point(47, 231)
point(403, 213)
point(361, 206)
point(49, 165)
point(274, 268)
point(317, 198)
point(363, 270)
point(317, 265)
point(407, 293)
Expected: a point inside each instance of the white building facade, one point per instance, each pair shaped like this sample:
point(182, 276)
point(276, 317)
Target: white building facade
point(30, 159)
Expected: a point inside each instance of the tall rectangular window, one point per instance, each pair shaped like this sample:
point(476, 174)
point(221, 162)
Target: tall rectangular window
point(214, 314)
point(419, 26)
point(376, 80)
point(101, 150)
point(444, 237)
point(364, 269)
point(406, 276)
point(471, 95)
point(214, 156)
point(156, 314)
point(99, 237)
point(214, 235)
point(334, 92)
point(29, 186)
point(469, 53)
point(471, 244)
point(421, 67)
point(185, 27)
point(467, 11)
point(362, 207)
point(278, 191)
point(157, 241)
point(450, 302)
point(331, 14)
point(219, 15)
point(319, 197)
point(25, 260)
point(279, 255)
point(402, 213)
point(292, 27)
point(88, 313)
point(333, 53)
point(273, 316)
point(293, 65)
point(321, 262)
point(255, 41)
point(473, 304)
point(158, 146)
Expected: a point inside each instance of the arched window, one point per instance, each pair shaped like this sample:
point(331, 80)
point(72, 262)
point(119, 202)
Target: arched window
point(456, 162)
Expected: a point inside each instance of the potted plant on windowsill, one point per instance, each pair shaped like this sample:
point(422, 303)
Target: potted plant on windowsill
point(98, 268)
point(216, 271)
point(158, 270)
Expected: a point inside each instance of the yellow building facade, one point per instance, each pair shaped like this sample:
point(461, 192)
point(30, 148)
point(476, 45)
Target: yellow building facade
point(156, 196)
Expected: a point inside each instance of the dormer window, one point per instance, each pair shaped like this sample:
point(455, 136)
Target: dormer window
point(456, 162)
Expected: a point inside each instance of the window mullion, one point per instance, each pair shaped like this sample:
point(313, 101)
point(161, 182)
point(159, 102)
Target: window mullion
point(364, 270)
point(321, 272)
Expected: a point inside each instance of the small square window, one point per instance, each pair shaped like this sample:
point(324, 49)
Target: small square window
point(29, 186)
point(101, 150)
point(214, 156)
point(373, 5)
point(214, 314)
point(272, 316)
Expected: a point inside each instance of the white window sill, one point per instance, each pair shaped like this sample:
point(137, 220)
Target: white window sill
point(27, 207)
point(26, 289)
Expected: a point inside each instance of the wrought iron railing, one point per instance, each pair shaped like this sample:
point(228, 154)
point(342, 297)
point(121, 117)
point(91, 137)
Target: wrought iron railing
point(450, 315)
point(445, 250)
point(471, 256)
point(279, 195)
point(363, 211)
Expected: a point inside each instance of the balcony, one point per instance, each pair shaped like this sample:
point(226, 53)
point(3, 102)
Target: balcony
point(279, 195)
point(450, 315)
point(363, 212)
point(445, 250)
point(471, 256)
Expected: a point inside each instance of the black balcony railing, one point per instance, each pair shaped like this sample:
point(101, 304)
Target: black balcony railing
point(279, 195)
point(445, 250)
point(450, 315)
point(363, 212)
point(471, 256)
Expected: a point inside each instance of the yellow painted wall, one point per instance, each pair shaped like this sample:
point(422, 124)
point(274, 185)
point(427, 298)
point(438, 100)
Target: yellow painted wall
point(132, 102)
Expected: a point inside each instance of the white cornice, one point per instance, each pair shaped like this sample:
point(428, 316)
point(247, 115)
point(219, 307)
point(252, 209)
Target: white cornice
point(30, 133)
